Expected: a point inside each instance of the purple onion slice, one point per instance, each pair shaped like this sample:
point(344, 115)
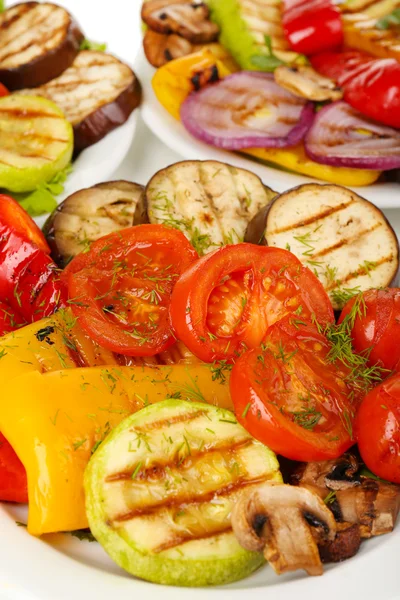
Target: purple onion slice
point(245, 110)
point(342, 137)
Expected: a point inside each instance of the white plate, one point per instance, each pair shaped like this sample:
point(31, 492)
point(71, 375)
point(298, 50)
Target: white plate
point(98, 162)
point(174, 135)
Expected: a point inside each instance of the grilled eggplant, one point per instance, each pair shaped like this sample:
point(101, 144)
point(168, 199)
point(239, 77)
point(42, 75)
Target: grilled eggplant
point(186, 18)
point(160, 489)
point(36, 142)
point(38, 41)
point(90, 214)
point(209, 201)
point(342, 237)
point(97, 94)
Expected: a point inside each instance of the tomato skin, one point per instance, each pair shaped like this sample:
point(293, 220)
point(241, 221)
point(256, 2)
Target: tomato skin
point(14, 218)
point(273, 283)
point(120, 290)
point(312, 26)
point(377, 327)
point(3, 90)
point(272, 393)
point(378, 430)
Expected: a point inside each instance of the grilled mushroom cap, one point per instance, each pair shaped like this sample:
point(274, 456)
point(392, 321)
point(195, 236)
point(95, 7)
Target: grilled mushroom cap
point(287, 523)
point(345, 545)
point(186, 18)
point(303, 81)
point(160, 48)
point(372, 505)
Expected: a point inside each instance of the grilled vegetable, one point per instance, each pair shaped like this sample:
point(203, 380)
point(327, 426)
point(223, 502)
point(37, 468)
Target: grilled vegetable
point(244, 25)
point(340, 136)
point(186, 18)
point(367, 27)
point(13, 484)
point(160, 48)
point(344, 238)
point(304, 82)
point(97, 94)
point(211, 202)
point(312, 27)
point(90, 214)
point(77, 409)
point(38, 41)
point(164, 515)
point(10, 319)
point(29, 158)
point(247, 110)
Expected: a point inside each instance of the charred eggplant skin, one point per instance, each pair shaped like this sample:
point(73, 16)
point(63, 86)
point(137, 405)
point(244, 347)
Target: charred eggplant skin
point(46, 67)
point(107, 118)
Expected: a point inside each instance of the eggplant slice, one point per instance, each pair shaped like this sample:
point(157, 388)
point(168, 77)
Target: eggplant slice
point(90, 214)
point(97, 94)
point(37, 43)
point(342, 237)
point(186, 18)
point(209, 201)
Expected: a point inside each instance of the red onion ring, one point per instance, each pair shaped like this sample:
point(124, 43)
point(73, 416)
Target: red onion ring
point(225, 114)
point(340, 136)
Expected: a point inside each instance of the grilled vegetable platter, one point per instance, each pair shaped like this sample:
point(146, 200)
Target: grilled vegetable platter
point(201, 374)
point(59, 95)
point(310, 88)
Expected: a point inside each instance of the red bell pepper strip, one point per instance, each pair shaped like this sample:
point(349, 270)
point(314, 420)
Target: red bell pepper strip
point(371, 85)
point(13, 482)
point(28, 278)
point(312, 26)
point(10, 319)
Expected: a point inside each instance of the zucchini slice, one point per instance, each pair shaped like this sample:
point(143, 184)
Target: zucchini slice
point(36, 142)
point(209, 201)
point(160, 489)
point(342, 237)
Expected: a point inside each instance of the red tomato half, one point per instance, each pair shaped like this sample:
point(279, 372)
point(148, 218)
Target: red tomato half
point(120, 290)
point(225, 302)
point(14, 218)
point(376, 328)
point(291, 398)
point(378, 430)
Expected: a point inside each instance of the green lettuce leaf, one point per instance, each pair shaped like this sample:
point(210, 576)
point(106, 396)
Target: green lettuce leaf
point(42, 200)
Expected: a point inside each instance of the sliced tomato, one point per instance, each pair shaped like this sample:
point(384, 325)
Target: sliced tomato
point(14, 218)
point(376, 326)
point(291, 397)
point(10, 319)
point(339, 66)
point(378, 430)
point(225, 302)
point(120, 290)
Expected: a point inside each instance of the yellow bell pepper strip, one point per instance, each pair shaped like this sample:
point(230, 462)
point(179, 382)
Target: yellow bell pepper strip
point(172, 84)
point(296, 160)
point(55, 421)
point(58, 342)
point(364, 28)
point(174, 81)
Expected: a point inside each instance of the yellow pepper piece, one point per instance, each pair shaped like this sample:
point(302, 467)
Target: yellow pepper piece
point(172, 83)
point(295, 159)
point(55, 420)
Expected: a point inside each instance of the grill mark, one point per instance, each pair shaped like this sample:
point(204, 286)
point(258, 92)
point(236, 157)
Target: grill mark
point(360, 271)
point(211, 204)
point(28, 114)
point(345, 242)
point(183, 418)
point(18, 15)
point(24, 135)
point(327, 213)
point(177, 502)
point(158, 471)
point(39, 41)
point(187, 537)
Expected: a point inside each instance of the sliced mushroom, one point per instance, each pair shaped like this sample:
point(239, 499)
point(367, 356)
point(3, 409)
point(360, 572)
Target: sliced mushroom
point(371, 504)
point(160, 48)
point(186, 18)
point(345, 545)
point(90, 214)
point(287, 523)
point(303, 81)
